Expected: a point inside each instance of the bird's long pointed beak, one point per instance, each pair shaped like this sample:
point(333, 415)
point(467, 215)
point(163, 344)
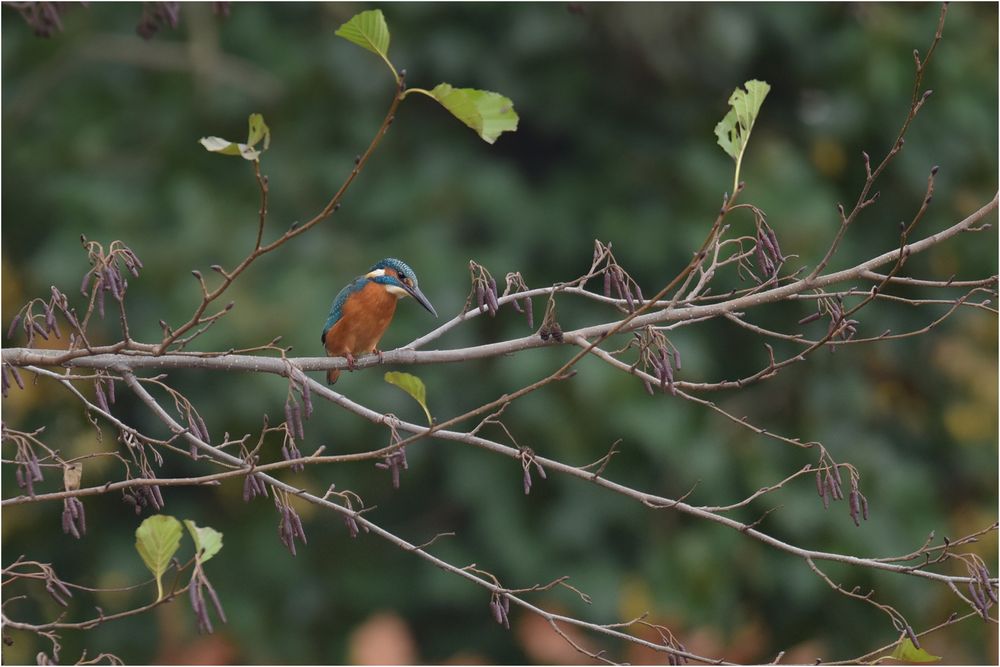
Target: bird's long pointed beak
point(421, 299)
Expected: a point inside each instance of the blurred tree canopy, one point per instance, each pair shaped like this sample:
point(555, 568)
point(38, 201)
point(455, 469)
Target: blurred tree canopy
point(617, 105)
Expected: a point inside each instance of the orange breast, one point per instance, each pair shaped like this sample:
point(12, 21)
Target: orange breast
point(366, 316)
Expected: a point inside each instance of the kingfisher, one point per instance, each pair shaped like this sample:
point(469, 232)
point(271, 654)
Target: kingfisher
point(362, 311)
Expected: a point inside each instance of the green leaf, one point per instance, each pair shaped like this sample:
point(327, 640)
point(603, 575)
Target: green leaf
point(157, 540)
point(207, 541)
point(413, 386)
point(733, 131)
point(486, 112)
point(907, 652)
point(727, 133)
point(747, 104)
point(369, 31)
point(258, 130)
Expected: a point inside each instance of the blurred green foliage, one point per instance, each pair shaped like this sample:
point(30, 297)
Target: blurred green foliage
point(617, 105)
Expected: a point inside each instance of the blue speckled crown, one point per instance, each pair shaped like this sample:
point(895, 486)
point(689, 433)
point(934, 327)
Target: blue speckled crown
point(399, 265)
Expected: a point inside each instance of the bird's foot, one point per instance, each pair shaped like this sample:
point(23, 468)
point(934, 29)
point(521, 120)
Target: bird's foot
point(350, 361)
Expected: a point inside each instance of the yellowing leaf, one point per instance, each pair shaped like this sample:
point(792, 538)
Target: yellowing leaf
point(207, 541)
point(413, 386)
point(486, 112)
point(72, 474)
point(907, 652)
point(157, 540)
point(226, 147)
point(258, 131)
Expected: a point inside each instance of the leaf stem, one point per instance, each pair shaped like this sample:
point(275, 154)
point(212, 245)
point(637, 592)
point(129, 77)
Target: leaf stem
point(395, 74)
point(422, 91)
point(739, 162)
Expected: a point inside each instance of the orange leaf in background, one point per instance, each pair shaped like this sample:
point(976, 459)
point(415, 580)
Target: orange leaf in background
point(544, 646)
point(383, 639)
point(208, 650)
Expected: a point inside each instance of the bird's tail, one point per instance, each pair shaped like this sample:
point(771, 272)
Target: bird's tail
point(332, 375)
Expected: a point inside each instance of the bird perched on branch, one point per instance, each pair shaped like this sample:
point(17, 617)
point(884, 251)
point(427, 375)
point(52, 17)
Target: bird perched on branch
point(362, 311)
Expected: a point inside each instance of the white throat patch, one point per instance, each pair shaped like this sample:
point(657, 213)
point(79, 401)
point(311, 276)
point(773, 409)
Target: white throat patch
point(396, 291)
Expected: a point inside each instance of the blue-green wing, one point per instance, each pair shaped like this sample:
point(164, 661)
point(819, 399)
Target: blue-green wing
point(337, 307)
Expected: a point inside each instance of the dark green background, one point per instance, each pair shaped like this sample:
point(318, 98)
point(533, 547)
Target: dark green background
point(617, 105)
